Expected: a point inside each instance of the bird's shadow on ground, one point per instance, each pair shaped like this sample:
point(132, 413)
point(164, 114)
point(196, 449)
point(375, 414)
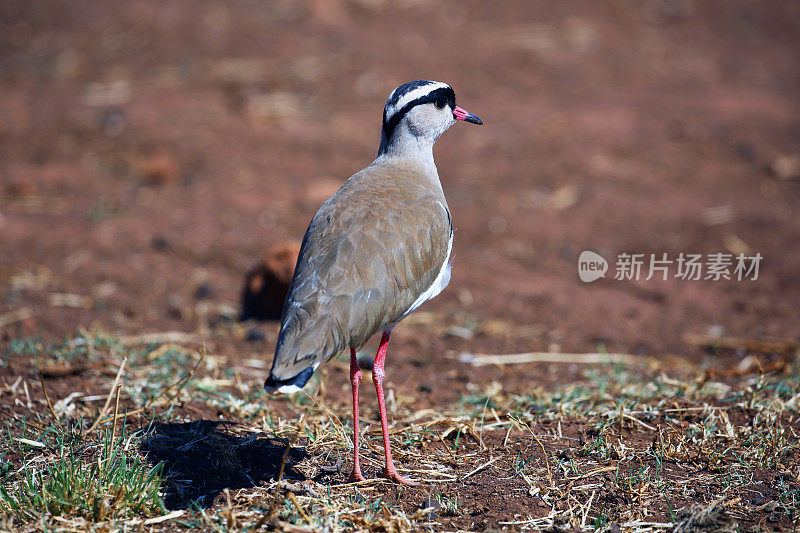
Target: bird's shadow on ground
point(201, 459)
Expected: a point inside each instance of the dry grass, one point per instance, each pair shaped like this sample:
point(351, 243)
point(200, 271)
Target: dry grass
point(618, 448)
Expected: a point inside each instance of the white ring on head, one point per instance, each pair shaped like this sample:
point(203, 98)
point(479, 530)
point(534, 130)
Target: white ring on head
point(412, 95)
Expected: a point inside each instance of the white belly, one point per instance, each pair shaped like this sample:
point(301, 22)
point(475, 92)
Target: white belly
point(439, 283)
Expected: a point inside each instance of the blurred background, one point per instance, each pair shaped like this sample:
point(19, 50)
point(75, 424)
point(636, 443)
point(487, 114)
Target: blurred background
point(153, 153)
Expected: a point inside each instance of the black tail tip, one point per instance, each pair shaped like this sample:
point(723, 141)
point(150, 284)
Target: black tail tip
point(288, 386)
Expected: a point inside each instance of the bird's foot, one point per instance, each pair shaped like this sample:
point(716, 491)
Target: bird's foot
point(391, 473)
point(356, 476)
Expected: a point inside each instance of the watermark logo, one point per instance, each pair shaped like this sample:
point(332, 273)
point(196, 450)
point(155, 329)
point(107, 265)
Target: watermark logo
point(591, 266)
point(687, 267)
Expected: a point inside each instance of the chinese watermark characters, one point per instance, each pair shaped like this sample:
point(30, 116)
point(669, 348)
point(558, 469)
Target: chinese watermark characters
point(688, 267)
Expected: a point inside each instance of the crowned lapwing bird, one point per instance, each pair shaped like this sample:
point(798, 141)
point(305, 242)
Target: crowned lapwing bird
point(374, 252)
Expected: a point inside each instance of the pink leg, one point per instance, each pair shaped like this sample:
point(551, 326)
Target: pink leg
point(355, 379)
point(377, 376)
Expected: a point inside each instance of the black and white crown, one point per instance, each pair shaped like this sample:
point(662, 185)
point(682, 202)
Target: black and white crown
point(411, 94)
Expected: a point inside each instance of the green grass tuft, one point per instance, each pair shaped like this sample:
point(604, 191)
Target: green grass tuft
point(110, 485)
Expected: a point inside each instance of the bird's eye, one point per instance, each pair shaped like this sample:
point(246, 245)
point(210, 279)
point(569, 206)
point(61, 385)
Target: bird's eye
point(441, 102)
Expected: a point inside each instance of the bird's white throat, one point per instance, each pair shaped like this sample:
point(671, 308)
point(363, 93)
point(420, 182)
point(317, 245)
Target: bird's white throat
point(414, 142)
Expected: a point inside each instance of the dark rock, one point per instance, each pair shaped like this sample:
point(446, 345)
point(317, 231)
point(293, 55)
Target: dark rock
point(204, 292)
point(565, 454)
point(255, 334)
point(159, 242)
point(266, 285)
point(176, 307)
point(112, 121)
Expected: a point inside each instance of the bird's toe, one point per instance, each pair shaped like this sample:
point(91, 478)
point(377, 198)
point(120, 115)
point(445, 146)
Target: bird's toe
point(397, 478)
point(356, 476)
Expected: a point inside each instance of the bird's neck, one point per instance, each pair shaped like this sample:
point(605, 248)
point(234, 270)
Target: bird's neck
point(417, 150)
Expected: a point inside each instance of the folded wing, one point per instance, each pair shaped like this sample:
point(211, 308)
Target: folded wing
point(360, 270)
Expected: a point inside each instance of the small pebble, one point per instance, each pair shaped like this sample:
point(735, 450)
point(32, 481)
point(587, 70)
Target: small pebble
point(255, 334)
point(430, 503)
point(204, 292)
point(159, 169)
point(159, 242)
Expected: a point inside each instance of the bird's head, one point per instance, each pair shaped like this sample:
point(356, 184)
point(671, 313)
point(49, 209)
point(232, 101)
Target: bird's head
point(420, 111)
